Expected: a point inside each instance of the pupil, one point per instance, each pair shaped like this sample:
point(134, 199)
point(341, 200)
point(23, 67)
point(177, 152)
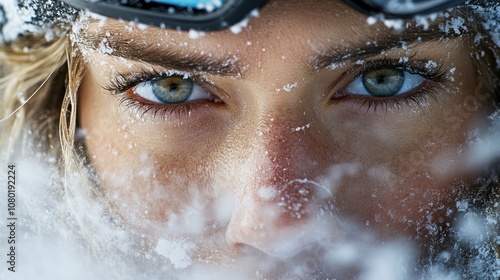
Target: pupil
point(383, 82)
point(174, 86)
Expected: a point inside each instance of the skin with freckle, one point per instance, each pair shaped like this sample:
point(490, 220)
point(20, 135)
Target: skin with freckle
point(280, 160)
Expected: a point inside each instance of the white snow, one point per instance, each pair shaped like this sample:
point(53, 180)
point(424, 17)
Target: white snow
point(289, 87)
point(195, 34)
point(431, 64)
point(462, 205)
point(267, 192)
point(17, 21)
point(303, 128)
point(238, 27)
point(455, 24)
point(178, 252)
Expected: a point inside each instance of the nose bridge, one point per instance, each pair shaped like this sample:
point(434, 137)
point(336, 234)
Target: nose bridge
point(286, 141)
point(276, 206)
point(283, 137)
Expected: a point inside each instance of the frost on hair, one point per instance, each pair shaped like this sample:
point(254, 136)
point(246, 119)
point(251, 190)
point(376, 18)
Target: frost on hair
point(31, 17)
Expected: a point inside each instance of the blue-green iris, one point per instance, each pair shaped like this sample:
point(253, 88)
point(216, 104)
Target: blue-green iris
point(171, 90)
point(384, 82)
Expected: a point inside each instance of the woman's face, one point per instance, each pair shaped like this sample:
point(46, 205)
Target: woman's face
point(309, 129)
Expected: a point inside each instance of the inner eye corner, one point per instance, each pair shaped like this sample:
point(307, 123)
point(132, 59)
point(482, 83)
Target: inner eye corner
point(339, 94)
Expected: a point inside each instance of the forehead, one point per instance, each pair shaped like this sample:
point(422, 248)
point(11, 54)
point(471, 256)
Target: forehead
point(281, 20)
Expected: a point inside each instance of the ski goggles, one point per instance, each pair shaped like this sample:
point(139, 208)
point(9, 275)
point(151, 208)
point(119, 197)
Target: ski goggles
point(211, 15)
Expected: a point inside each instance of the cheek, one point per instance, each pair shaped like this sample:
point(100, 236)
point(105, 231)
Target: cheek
point(381, 200)
point(409, 171)
point(147, 171)
point(144, 180)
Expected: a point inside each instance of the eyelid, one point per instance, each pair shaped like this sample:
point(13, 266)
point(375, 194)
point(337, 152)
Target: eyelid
point(436, 76)
point(144, 92)
point(430, 71)
point(122, 86)
point(122, 82)
point(356, 87)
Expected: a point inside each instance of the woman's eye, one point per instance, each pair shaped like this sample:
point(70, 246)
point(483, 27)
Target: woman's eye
point(384, 82)
point(171, 90)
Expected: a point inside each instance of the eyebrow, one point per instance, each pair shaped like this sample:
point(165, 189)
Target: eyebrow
point(188, 61)
point(169, 58)
point(387, 40)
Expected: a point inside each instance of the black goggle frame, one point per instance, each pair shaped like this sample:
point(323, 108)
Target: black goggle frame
point(231, 11)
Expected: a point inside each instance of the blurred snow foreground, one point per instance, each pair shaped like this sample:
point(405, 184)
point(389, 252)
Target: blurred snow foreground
point(50, 243)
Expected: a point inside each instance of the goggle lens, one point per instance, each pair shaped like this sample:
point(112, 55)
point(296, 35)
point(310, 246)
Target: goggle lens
point(402, 8)
point(207, 5)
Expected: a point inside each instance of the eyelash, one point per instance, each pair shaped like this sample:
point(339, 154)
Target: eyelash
point(437, 75)
point(121, 84)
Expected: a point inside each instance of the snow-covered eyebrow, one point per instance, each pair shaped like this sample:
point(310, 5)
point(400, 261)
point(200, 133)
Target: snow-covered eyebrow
point(169, 58)
point(384, 41)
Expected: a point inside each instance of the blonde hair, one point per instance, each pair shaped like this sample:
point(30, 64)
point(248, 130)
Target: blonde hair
point(37, 71)
point(39, 100)
point(29, 65)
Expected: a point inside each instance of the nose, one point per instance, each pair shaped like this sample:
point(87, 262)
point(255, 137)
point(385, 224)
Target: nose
point(282, 209)
point(282, 220)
